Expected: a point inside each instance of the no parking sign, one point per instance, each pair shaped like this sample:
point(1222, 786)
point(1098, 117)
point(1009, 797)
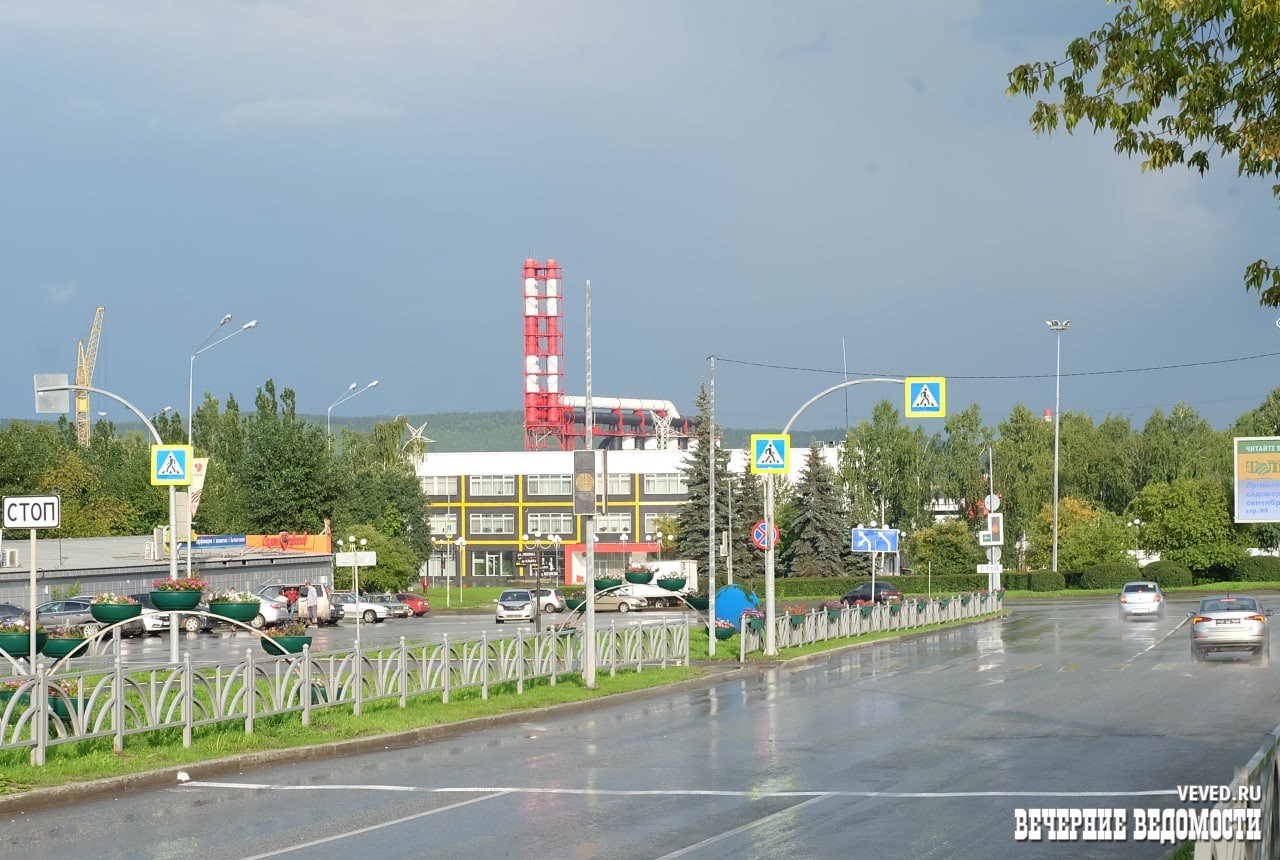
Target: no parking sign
point(758, 535)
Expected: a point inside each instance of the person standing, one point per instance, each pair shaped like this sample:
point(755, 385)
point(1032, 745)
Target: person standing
point(291, 602)
point(313, 604)
point(304, 603)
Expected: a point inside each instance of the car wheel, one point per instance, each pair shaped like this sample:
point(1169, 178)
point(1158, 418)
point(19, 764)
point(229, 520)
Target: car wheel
point(90, 629)
point(550, 608)
point(191, 624)
point(497, 621)
point(369, 616)
point(624, 607)
point(258, 622)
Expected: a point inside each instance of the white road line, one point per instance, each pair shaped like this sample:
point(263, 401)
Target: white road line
point(1160, 640)
point(372, 827)
point(496, 791)
point(704, 843)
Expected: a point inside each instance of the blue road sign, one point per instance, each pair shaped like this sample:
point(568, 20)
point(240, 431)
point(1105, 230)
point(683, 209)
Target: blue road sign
point(758, 536)
point(770, 453)
point(875, 540)
point(926, 397)
point(171, 465)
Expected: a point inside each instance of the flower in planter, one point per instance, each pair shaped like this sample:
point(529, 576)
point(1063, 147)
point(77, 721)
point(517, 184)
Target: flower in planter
point(564, 627)
point(113, 598)
point(721, 624)
point(752, 613)
point(10, 686)
point(796, 610)
point(640, 568)
point(577, 594)
point(18, 627)
point(831, 604)
point(67, 633)
point(189, 583)
point(293, 628)
point(234, 597)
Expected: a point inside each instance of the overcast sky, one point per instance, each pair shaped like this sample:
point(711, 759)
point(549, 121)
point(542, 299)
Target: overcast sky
point(760, 181)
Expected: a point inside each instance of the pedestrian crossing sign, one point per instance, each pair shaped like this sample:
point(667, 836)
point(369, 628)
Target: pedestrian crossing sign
point(770, 454)
point(171, 465)
point(926, 396)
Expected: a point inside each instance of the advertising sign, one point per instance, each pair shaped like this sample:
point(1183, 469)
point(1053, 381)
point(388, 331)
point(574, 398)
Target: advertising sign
point(1257, 479)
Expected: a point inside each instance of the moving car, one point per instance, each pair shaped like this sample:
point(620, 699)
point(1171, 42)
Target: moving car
point(514, 604)
point(613, 602)
point(1141, 599)
point(10, 614)
point(1230, 623)
point(395, 608)
point(885, 593)
point(75, 612)
point(368, 611)
point(419, 604)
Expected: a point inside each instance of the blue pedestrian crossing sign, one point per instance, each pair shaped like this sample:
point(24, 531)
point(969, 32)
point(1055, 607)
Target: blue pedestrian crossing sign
point(171, 465)
point(926, 396)
point(770, 453)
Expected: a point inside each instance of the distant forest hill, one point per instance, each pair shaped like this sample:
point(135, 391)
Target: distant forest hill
point(498, 431)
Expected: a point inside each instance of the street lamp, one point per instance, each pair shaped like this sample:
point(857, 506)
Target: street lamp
point(191, 382)
point(352, 390)
point(659, 537)
point(1136, 524)
point(1058, 327)
point(461, 544)
point(539, 545)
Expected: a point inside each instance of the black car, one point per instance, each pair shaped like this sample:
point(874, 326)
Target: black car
point(10, 614)
point(885, 593)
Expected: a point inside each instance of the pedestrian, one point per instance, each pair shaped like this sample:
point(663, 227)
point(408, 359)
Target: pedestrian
point(291, 602)
point(304, 603)
point(313, 601)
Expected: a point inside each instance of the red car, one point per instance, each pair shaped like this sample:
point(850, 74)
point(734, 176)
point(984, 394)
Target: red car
point(419, 604)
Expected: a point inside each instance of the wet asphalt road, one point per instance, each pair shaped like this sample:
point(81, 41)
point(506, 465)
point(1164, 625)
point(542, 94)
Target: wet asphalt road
point(911, 749)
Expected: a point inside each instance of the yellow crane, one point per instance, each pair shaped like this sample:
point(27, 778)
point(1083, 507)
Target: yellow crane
point(86, 358)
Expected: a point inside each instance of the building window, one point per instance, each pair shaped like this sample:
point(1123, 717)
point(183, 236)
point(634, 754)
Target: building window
point(651, 521)
point(613, 524)
point(489, 564)
point(493, 485)
point(619, 486)
point(550, 524)
point(669, 484)
point(444, 486)
point(493, 524)
point(550, 485)
point(443, 524)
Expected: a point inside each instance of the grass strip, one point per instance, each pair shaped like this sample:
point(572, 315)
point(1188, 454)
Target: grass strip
point(1198, 588)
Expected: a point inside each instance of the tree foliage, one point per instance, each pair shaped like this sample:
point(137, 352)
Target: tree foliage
point(693, 517)
point(1087, 535)
point(1188, 520)
point(1175, 82)
point(816, 542)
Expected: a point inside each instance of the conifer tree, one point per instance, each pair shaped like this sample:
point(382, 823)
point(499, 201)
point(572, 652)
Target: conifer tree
point(817, 539)
point(691, 521)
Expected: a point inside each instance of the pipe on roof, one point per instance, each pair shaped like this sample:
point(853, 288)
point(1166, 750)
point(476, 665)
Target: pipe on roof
point(664, 406)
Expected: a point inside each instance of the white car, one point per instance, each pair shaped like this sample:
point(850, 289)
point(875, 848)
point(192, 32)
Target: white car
point(368, 612)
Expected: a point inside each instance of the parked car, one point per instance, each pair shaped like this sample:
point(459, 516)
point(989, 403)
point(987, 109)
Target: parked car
point(614, 602)
point(514, 604)
point(395, 608)
point(10, 614)
point(551, 600)
point(326, 610)
point(75, 612)
point(885, 593)
point(1141, 599)
point(368, 611)
point(1230, 623)
point(417, 602)
point(156, 624)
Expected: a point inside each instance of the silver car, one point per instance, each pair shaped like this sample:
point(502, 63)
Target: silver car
point(514, 604)
point(1230, 623)
point(1141, 599)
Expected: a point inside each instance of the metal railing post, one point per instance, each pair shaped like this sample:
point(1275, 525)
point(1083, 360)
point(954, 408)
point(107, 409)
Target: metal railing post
point(357, 708)
point(520, 662)
point(117, 704)
point(484, 667)
point(188, 699)
point(445, 673)
point(308, 690)
point(404, 674)
point(250, 690)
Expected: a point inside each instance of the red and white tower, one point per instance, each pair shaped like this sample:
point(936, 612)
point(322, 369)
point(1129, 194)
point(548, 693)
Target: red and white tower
point(544, 411)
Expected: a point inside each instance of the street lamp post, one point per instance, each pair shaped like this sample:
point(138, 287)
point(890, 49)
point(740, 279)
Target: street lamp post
point(1058, 327)
point(1137, 541)
point(461, 544)
point(352, 390)
point(205, 346)
point(539, 545)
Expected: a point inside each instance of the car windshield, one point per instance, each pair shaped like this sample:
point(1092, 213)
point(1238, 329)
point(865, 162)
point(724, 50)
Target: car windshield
point(1229, 604)
point(1139, 587)
point(514, 595)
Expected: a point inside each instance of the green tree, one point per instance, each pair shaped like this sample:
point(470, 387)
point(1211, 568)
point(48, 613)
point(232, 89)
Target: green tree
point(961, 458)
point(1174, 82)
point(748, 509)
point(888, 470)
point(949, 547)
point(1024, 468)
point(397, 565)
point(1188, 520)
point(816, 542)
point(1087, 534)
point(693, 516)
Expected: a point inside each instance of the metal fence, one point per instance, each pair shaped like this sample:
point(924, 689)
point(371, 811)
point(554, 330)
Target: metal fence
point(822, 624)
point(1254, 804)
point(44, 709)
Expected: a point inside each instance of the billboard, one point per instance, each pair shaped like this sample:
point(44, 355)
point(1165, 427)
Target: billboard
point(1257, 479)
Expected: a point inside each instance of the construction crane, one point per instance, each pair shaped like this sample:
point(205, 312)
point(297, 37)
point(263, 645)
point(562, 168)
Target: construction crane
point(86, 358)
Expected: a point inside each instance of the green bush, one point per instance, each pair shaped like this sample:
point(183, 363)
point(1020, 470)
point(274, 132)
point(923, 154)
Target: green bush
point(1046, 580)
point(1167, 574)
point(1255, 568)
point(832, 587)
point(1072, 578)
point(1109, 574)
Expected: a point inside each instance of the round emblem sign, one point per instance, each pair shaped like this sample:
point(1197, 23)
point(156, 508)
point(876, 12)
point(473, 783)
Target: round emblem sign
point(585, 482)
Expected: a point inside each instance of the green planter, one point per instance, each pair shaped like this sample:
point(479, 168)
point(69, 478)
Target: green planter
point(59, 648)
point(643, 577)
point(833, 614)
point(243, 612)
point(19, 644)
point(964, 601)
point(318, 694)
point(797, 621)
point(756, 624)
point(6, 695)
point(573, 604)
point(723, 633)
point(672, 583)
point(63, 707)
point(281, 645)
point(602, 584)
point(702, 604)
point(895, 608)
point(865, 611)
point(921, 604)
point(114, 613)
point(942, 604)
point(175, 601)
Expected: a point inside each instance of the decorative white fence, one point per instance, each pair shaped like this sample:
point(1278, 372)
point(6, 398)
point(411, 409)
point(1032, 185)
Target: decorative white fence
point(121, 702)
point(1253, 811)
point(822, 624)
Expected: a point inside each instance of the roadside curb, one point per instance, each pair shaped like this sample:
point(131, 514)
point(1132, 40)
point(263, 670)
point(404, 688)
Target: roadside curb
point(715, 672)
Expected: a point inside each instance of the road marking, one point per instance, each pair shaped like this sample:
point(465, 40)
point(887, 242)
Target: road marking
point(373, 827)
point(704, 843)
point(1026, 668)
point(1119, 667)
point(496, 791)
point(1069, 667)
point(931, 669)
point(1162, 667)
